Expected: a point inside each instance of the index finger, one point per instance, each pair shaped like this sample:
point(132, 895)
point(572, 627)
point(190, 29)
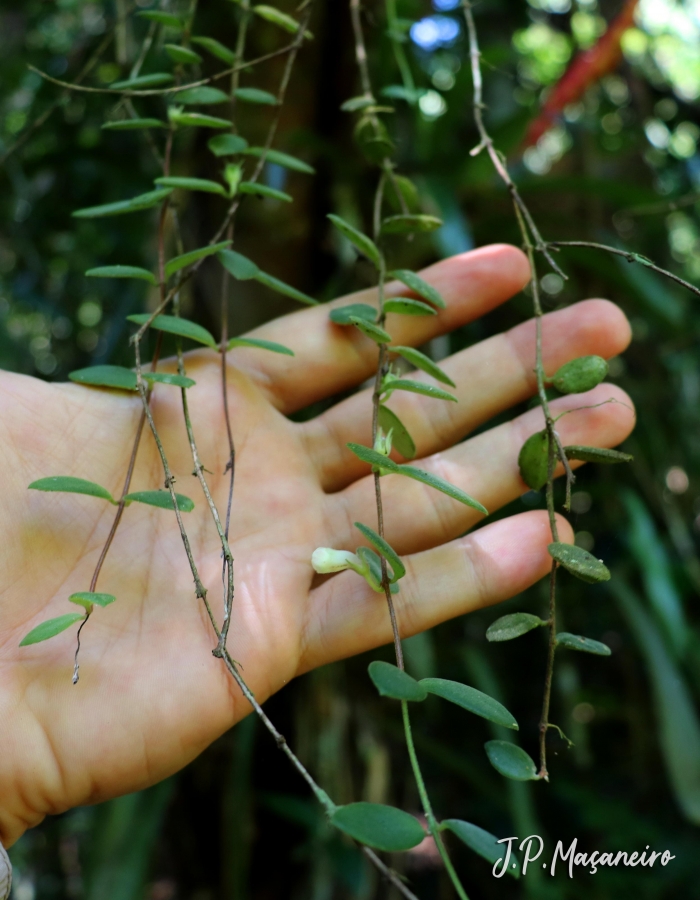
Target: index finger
point(330, 358)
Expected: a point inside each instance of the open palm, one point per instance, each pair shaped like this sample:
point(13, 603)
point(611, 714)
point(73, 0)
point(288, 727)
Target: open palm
point(151, 695)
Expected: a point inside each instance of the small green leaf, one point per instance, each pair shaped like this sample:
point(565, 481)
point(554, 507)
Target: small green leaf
point(354, 104)
point(384, 549)
point(143, 201)
point(262, 345)
point(121, 272)
point(216, 49)
point(106, 376)
point(69, 485)
point(373, 574)
point(579, 562)
point(481, 842)
point(419, 286)
point(470, 699)
point(370, 330)
point(186, 259)
point(197, 120)
point(201, 96)
point(168, 378)
point(227, 144)
point(511, 761)
point(238, 265)
point(342, 315)
point(402, 195)
point(392, 682)
point(262, 190)
point(417, 387)
point(580, 374)
point(255, 95)
point(586, 645)
point(50, 628)
point(441, 485)
point(512, 626)
point(533, 460)
point(382, 827)
point(401, 439)
point(407, 224)
point(161, 499)
point(276, 285)
point(366, 246)
point(373, 138)
point(156, 79)
point(88, 599)
point(133, 124)
point(270, 14)
point(180, 54)
point(423, 362)
point(162, 18)
point(597, 455)
point(368, 455)
point(280, 159)
point(176, 325)
point(407, 307)
point(192, 184)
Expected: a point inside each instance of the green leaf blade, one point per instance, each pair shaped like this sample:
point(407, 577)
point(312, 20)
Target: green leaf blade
point(192, 184)
point(280, 159)
point(470, 699)
point(408, 224)
point(50, 628)
point(216, 48)
point(255, 95)
point(597, 455)
point(88, 599)
point(282, 288)
point(117, 377)
point(135, 204)
point(580, 375)
point(384, 549)
point(370, 330)
point(180, 54)
point(178, 326)
point(404, 306)
point(161, 500)
point(418, 387)
point(141, 82)
point(261, 345)
point(264, 191)
point(441, 485)
point(480, 841)
point(343, 315)
point(382, 827)
point(584, 644)
point(424, 363)
point(181, 381)
point(66, 484)
point(198, 120)
point(121, 272)
point(579, 562)
point(392, 682)
point(511, 761)
point(365, 245)
point(509, 627)
point(533, 460)
point(133, 124)
point(227, 144)
point(186, 259)
point(418, 286)
point(201, 96)
point(401, 439)
point(368, 455)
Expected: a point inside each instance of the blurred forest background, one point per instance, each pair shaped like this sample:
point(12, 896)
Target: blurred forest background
point(621, 165)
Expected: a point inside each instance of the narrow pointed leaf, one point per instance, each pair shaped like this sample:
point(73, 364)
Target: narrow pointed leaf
point(280, 159)
point(271, 14)
point(370, 330)
point(382, 827)
point(368, 455)
point(407, 224)
point(423, 362)
point(579, 562)
point(202, 96)
point(90, 598)
point(533, 460)
point(182, 54)
point(470, 699)
point(181, 381)
point(512, 626)
point(366, 246)
point(51, 628)
point(418, 387)
point(580, 374)
point(142, 82)
point(161, 499)
point(407, 307)
point(176, 325)
point(482, 842)
point(384, 549)
point(374, 564)
point(238, 265)
point(133, 124)
point(121, 272)
point(136, 204)
point(401, 439)
point(192, 184)
point(227, 144)
point(342, 315)
point(390, 681)
point(68, 485)
point(262, 190)
point(597, 455)
point(117, 377)
point(511, 761)
point(355, 104)
point(419, 286)
point(255, 95)
point(586, 645)
point(216, 48)
point(441, 485)
point(162, 18)
point(260, 344)
point(276, 285)
point(198, 120)
point(186, 259)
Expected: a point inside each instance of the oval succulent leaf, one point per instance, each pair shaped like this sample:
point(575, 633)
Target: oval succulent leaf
point(271, 14)
point(511, 761)
point(579, 562)
point(597, 455)
point(227, 144)
point(401, 439)
point(161, 499)
point(370, 330)
point(88, 599)
point(118, 377)
point(182, 54)
point(133, 124)
point(586, 645)
point(141, 82)
point(255, 95)
point(136, 204)
point(66, 484)
point(423, 362)
point(417, 387)
point(202, 96)
point(260, 344)
point(280, 159)
point(512, 626)
point(192, 184)
point(197, 120)
point(342, 315)
point(482, 842)
point(407, 307)
point(51, 628)
point(392, 682)
point(580, 374)
point(121, 272)
point(407, 224)
point(470, 699)
point(262, 190)
point(533, 460)
point(178, 326)
point(384, 549)
point(376, 825)
point(186, 259)
point(366, 246)
point(216, 48)
point(419, 286)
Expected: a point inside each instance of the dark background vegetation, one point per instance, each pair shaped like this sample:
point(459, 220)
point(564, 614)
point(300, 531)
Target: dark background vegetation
point(237, 823)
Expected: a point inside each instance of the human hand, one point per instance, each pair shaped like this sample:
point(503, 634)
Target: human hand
point(151, 696)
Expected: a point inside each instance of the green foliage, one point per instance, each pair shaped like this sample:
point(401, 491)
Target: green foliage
point(597, 455)
point(160, 499)
point(50, 628)
point(579, 562)
point(178, 326)
point(365, 245)
point(192, 184)
point(69, 485)
point(408, 224)
point(586, 645)
point(121, 272)
point(379, 826)
point(580, 374)
point(385, 550)
point(512, 626)
point(133, 124)
point(227, 144)
point(255, 95)
point(346, 315)
point(533, 460)
point(423, 362)
point(511, 761)
point(417, 284)
point(481, 842)
point(407, 307)
point(262, 190)
point(136, 204)
point(186, 259)
point(260, 344)
point(392, 682)
point(280, 159)
point(401, 439)
point(415, 387)
point(470, 699)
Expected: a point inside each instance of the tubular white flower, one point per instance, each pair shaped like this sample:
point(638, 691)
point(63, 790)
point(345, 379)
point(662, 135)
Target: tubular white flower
point(326, 560)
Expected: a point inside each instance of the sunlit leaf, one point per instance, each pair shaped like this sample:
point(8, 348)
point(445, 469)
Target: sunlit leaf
point(370, 330)
point(192, 184)
point(401, 439)
point(227, 144)
point(180, 54)
point(280, 159)
point(179, 326)
point(121, 272)
point(143, 201)
point(263, 190)
point(482, 842)
point(343, 315)
point(88, 599)
point(586, 645)
point(162, 18)
point(533, 460)
point(216, 49)
point(238, 265)
point(133, 124)
point(382, 827)
point(142, 82)
point(423, 362)
point(260, 344)
point(161, 499)
point(202, 96)
point(511, 761)
point(579, 562)
point(384, 549)
point(407, 224)
point(186, 259)
point(392, 682)
point(418, 387)
point(470, 699)
point(580, 374)
point(366, 246)
point(597, 455)
point(255, 95)
point(51, 628)
point(512, 626)
point(407, 307)
point(68, 485)
point(419, 286)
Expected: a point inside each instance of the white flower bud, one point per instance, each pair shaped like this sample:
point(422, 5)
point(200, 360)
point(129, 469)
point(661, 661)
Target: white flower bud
point(382, 443)
point(326, 560)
